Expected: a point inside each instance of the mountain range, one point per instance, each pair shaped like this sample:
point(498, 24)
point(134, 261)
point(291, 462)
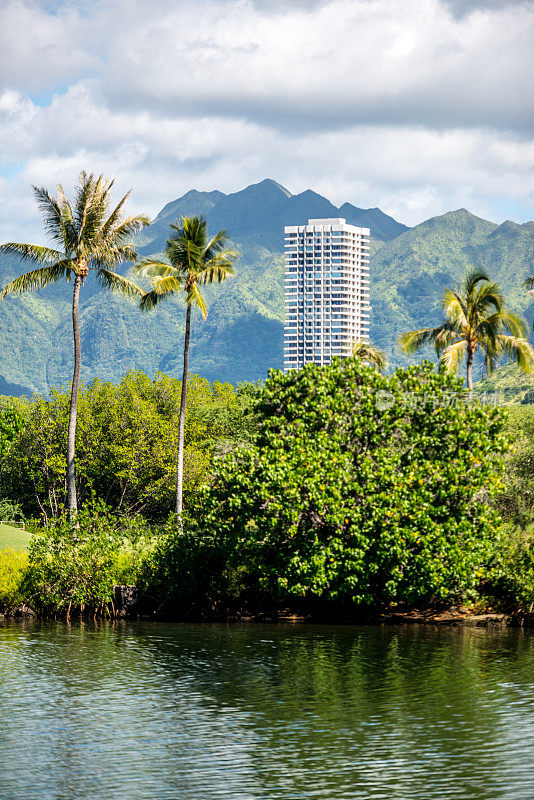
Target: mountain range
point(243, 334)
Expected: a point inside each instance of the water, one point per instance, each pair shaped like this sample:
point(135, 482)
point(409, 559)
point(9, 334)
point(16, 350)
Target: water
point(198, 712)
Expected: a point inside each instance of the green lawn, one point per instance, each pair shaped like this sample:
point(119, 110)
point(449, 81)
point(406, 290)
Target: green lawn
point(13, 538)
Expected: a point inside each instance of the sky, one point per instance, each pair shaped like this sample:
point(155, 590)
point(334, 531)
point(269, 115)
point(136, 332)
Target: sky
point(415, 106)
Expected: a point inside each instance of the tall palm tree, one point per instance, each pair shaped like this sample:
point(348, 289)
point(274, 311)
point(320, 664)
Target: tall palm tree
point(194, 260)
point(88, 235)
point(369, 354)
point(475, 319)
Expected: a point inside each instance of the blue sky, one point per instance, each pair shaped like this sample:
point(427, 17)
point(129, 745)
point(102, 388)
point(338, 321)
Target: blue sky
point(415, 106)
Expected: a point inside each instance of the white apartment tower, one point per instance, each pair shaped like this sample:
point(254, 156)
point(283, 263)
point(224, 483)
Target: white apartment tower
point(326, 291)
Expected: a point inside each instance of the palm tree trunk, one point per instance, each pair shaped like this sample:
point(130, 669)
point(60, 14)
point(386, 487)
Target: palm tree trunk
point(181, 423)
point(470, 355)
point(73, 410)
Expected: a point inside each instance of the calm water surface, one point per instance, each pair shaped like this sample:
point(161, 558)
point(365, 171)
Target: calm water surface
point(198, 712)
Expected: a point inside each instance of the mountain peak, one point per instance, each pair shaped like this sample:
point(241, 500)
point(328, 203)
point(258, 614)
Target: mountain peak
point(267, 184)
point(460, 216)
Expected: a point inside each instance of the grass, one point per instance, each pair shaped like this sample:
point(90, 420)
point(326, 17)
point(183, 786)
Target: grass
point(13, 538)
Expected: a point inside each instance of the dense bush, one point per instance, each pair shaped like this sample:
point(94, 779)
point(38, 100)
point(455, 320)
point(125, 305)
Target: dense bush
point(74, 567)
point(515, 499)
point(362, 487)
point(510, 583)
point(126, 443)
point(191, 570)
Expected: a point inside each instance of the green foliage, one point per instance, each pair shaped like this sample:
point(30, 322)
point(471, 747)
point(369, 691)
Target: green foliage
point(11, 511)
point(13, 566)
point(515, 499)
point(13, 416)
point(76, 566)
point(362, 487)
point(126, 443)
point(511, 578)
point(476, 320)
point(191, 569)
point(12, 422)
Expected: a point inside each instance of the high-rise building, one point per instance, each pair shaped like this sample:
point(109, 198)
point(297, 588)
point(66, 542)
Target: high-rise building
point(326, 291)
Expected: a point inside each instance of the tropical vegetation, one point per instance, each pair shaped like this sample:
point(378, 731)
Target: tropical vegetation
point(87, 235)
point(476, 321)
point(333, 488)
point(336, 489)
point(369, 354)
point(127, 438)
point(346, 497)
point(195, 259)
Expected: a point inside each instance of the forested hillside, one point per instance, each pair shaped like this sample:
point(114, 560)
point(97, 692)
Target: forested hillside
point(243, 334)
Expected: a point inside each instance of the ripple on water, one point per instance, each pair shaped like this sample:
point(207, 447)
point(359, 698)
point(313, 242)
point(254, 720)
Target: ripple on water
point(198, 712)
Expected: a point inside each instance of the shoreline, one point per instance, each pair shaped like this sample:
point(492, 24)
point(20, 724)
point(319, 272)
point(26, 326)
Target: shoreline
point(448, 617)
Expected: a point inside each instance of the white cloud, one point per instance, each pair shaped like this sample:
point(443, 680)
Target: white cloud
point(396, 103)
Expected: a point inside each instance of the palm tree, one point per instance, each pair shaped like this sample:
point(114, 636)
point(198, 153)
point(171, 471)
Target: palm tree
point(369, 354)
point(88, 236)
point(194, 260)
point(475, 319)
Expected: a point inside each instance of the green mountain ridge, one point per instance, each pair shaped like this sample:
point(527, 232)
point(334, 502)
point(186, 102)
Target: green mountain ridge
point(243, 334)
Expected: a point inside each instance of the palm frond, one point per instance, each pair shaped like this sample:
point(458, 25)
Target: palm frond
point(517, 350)
point(84, 190)
point(369, 354)
point(68, 224)
point(32, 252)
point(441, 337)
point(487, 297)
point(529, 283)
point(167, 285)
point(491, 356)
point(194, 297)
point(446, 335)
point(52, 214)
point(38, 278)
point(92, 202)
point(189, 267)
point(154, 269)
point(126, 229)
point(452, 356)
point(150, 300)
point(118, 284)
point(472, 279)
point(216, 245)
point(115, 216)
point(514, 324)
point(455, 308)
point(219, 267)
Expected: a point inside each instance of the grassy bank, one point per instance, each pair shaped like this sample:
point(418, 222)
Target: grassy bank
point(12, 538)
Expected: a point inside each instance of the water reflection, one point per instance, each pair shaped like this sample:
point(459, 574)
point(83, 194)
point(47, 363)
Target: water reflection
point(197, 712)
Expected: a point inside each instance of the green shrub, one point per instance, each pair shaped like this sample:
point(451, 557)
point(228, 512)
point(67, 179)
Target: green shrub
point(511, 580)
point(11, 511)
point(76, 566)
point(13, 571)
point(362, 487)
point(126, 441)
point(189, 569)
point(515, 500)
